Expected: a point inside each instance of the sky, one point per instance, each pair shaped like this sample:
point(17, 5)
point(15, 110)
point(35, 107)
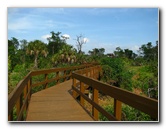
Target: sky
point(127, 28)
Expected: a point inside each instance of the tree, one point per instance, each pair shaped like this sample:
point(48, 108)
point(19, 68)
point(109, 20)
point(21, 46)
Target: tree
point(119, 52)
point(149, 52)
point(22, 50)
point(97, 52)
point(23, 44)
point(36, 48)
point(116, 67)
point(101, 51)
point(55, 42)
point(80, 40)
point(128, 53)
point(13, 45)
point(66, 55)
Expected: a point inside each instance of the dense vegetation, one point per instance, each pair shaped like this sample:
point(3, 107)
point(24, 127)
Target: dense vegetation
point(123, 68)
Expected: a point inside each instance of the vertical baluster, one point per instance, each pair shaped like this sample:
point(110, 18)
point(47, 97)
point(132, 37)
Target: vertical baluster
point(117, 109)
point(82, 89)
point(18, 106)
point(29, 89)
point(57, 75)
point(74, 84)
point(10, 116)
point(25, 101)
point(93, 72)
point(70, 74)
point(90, 72)
point(46, 79)
point(25, 91)
point(64, 74)
point(87, 72)
point(25, 95)
point(95, 112)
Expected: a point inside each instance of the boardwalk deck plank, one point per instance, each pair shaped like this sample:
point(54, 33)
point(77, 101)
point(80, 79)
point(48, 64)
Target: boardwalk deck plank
point(56, 104)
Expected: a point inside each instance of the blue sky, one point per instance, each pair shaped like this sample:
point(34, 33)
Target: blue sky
point(103, 27)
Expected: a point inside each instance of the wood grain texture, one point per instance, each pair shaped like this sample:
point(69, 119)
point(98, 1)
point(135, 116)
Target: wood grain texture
point(56, 104)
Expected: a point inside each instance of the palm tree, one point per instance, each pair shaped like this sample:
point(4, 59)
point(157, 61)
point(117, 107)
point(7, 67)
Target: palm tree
point(66, 55)
point(35, 48)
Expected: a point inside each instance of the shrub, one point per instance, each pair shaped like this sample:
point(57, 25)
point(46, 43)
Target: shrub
point(106, 73)
point(132, 114)
point(116, 65)
point(108, 108)
point(126, 82)
point(128, 114)
point(17, 75)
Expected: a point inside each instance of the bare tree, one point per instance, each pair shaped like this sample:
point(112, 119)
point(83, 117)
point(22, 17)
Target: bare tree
point(80, 41)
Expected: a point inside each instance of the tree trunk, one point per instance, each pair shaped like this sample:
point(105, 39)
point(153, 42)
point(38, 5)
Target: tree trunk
point(35, 62)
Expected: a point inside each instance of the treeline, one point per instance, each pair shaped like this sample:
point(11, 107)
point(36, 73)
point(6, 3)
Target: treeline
point(123, 66)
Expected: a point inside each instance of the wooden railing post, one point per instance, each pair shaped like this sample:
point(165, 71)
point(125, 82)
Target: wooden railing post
point(57, 75)
point(90, 72)
point(10, 116)
point(19, 105)
point(82, 89)
point(95, 112)
point(117, 109)
point(93, 73)
point(46, 78)
point(29, 89)
point(64, 74)
point(71, 74)
point(87, 72)
point(25, 95)
point(74, 84)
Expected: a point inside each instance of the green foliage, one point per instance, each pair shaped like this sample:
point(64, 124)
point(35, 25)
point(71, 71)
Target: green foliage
point(67, 55)
point(117, 67)
point(44, 63)
point(125, 53)
point(37, 48)
point(24, 56)
point(126, 82)
point(12, 52)
point(132, 114)
point(149, 52)
point(106, 69)
point(9, 64)
point(145, 79)
point(55, 43)
point(17, 74)
point(109, 109)
point(128, 114)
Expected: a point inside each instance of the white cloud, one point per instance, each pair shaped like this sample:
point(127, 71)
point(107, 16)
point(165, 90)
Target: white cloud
point(86, 40)
point(46, 36)
point(135, 48)
point(66, 36)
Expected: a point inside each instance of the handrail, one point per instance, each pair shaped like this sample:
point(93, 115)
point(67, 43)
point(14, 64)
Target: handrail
point(18, 99)
point(144, 104)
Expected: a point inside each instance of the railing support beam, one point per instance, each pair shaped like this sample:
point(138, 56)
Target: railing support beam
point(74, 84)
point(46, 78)
point(82, 89)
point(95, 112)
point(117, 109)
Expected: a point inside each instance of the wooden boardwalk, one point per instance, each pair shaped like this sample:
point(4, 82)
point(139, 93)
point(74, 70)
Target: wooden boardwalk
point(56, 104)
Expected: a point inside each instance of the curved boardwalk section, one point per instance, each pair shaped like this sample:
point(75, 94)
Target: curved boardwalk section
point(56, 104)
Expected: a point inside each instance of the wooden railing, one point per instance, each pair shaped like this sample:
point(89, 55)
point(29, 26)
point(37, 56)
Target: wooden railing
point(18, 99)
point(89, 77)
